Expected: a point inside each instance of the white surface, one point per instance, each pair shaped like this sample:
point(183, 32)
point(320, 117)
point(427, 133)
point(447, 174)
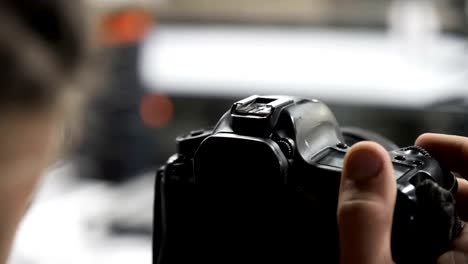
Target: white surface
point(62, 226)
point(349, 66)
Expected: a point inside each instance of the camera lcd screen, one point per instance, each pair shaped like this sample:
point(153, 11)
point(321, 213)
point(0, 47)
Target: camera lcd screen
point(336, 159)
point(333, 158)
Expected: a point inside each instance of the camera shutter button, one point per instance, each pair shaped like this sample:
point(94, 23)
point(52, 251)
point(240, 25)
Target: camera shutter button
point(341, 145)
point(400, 158)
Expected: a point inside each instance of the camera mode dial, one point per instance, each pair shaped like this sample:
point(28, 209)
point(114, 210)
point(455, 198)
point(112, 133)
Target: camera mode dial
point(416, 150)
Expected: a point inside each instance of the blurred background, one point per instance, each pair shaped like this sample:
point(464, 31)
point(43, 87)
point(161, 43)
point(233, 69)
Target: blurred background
point(399, 68)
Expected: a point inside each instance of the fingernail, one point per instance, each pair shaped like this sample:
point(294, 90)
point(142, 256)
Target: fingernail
point(363, 164)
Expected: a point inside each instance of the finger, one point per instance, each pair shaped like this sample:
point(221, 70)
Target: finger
point(365, 207)
point(461, 243)
point(461, 198)
point(450, 151)
point(453, 257)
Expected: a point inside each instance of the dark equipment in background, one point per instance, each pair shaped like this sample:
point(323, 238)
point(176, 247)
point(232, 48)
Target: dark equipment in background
point(263, 186)
point(118, 146)
point(121, 146)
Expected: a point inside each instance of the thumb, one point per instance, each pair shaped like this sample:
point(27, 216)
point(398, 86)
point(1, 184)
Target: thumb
point(365, 207)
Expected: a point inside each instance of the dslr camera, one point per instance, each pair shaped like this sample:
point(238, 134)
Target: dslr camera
point(262, 187)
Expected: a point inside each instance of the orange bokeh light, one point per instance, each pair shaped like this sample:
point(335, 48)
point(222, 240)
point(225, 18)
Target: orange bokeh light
point(156, 110)
point(126, 27)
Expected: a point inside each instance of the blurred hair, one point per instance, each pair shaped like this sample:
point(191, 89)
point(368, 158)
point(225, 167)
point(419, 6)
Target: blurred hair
point(46, 54)
point(44, 45)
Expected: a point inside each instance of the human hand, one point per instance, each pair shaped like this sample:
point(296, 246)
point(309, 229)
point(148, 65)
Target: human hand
point(452, 153)
point(365, 206)
point(368, 194)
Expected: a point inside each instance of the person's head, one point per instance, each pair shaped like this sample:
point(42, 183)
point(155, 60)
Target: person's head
point(43, 45)
point(44, 49)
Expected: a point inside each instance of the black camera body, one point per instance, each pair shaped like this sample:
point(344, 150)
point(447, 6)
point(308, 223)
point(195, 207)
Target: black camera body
point(263, 186)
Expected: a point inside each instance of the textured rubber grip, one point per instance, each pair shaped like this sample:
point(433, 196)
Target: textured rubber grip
point(438, 224)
